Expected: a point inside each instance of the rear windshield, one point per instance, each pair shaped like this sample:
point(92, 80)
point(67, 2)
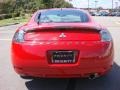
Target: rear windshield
point(62, 16)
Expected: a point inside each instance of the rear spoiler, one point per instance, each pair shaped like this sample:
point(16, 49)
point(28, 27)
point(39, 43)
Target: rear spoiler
point(60, 28)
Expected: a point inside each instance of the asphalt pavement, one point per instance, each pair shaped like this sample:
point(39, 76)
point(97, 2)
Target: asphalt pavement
point(9, 80)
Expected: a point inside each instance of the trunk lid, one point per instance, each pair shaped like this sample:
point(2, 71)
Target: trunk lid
point(64, 32)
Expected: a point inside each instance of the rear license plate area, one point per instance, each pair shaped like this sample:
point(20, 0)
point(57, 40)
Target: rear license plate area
point(63, 57)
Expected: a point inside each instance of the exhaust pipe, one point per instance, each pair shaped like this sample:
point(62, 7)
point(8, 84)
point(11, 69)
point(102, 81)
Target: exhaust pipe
point(93, 76)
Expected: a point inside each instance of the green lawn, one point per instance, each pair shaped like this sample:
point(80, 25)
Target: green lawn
point(13, 21)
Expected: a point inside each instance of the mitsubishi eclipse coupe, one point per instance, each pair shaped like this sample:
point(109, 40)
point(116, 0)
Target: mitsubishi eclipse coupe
point(62, 43)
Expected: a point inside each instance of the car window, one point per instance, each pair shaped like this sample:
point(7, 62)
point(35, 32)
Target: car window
point(63, 16)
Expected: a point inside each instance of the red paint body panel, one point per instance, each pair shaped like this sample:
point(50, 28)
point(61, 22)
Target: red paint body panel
point(32, 60)
point(31, 57)
point(71, 36)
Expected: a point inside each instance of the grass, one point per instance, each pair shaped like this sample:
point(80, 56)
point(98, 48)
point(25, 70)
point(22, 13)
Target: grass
point(15, 20)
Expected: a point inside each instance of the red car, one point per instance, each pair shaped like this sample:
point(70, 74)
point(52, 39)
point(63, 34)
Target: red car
point(62, 43)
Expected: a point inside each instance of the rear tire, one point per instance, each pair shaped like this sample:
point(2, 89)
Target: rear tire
point(26, 77)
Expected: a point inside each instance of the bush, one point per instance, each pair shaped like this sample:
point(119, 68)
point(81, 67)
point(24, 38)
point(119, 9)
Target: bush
point(5, 16)
point(15, 15)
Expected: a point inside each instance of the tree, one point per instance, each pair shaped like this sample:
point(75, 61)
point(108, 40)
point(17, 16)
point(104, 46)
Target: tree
point(7, 6)
point(56, 4)
point(29, 6)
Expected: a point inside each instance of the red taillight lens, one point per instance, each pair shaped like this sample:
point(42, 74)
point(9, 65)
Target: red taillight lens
point(105, 35)
point(19, 36)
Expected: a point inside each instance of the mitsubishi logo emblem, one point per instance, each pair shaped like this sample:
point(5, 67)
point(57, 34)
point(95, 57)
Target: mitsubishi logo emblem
point(62, 35)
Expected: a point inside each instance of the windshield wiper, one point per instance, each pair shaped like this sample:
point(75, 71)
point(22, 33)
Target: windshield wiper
point(38, 19)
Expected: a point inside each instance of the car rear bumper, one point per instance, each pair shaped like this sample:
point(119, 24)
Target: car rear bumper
point(66, 72)
point(31, 60)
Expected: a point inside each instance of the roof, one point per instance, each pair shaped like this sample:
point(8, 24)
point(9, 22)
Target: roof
point(62, 9)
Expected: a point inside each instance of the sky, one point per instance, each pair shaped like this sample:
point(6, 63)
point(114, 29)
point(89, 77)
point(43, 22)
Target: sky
point(102, 3)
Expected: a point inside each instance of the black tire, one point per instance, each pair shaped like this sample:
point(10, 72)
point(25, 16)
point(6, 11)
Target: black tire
point(26, 77)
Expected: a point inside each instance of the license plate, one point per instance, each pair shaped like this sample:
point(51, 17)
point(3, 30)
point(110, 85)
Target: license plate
point(63, 57)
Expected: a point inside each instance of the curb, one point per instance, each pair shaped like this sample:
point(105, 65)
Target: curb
point(9, 24)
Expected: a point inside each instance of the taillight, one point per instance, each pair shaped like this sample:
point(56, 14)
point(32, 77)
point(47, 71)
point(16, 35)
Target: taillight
point(105, 35)
point(19, 36)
